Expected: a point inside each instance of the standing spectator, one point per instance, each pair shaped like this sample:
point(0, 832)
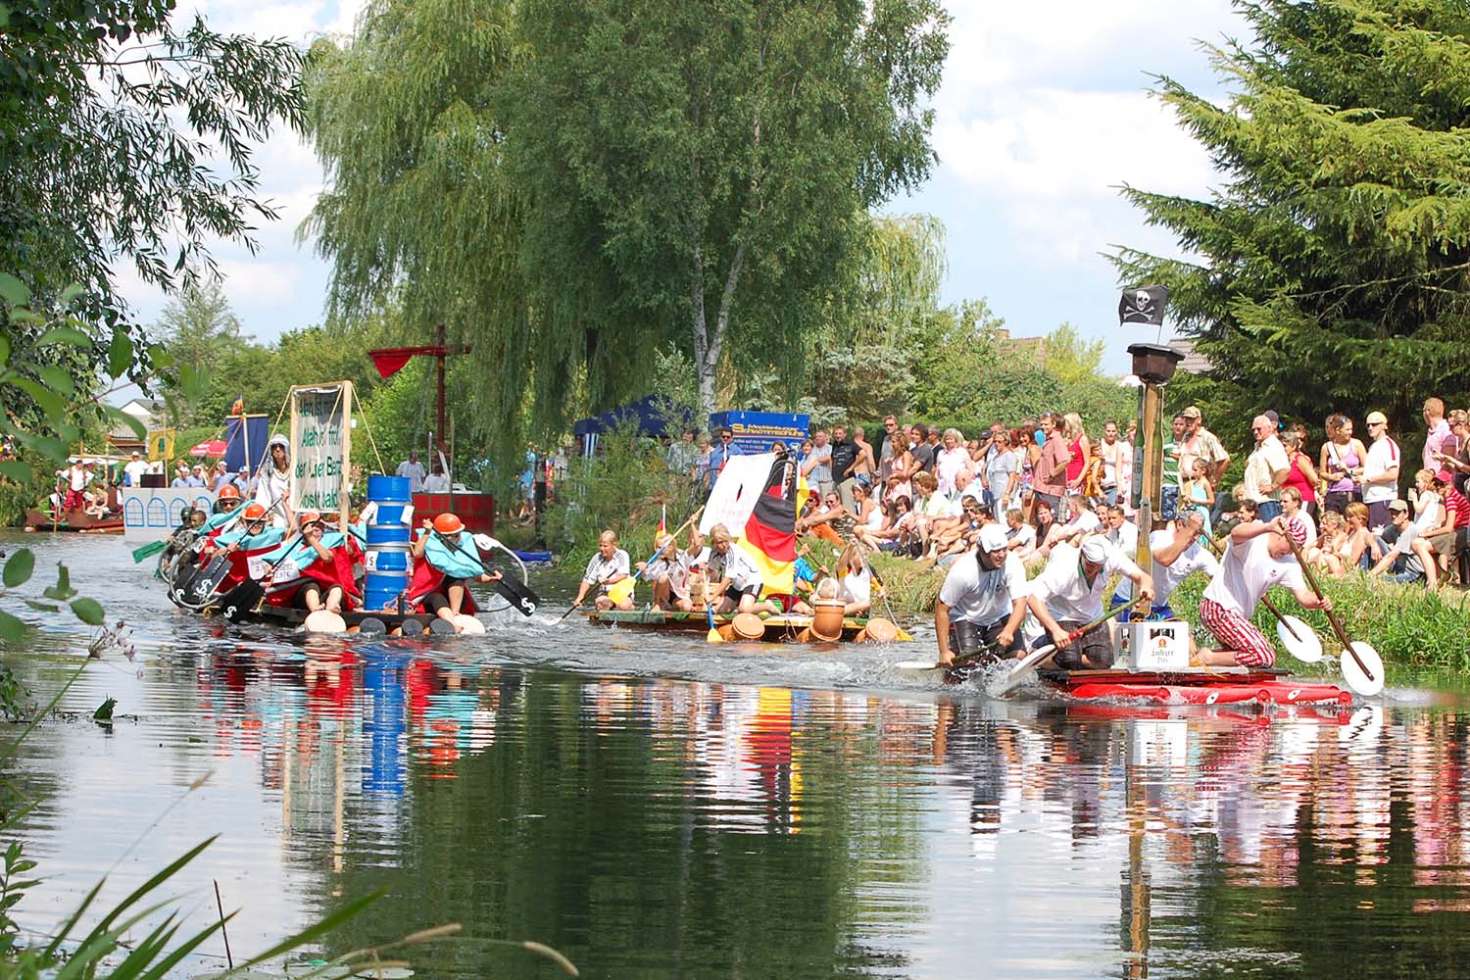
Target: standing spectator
point(923, 453)
point(1197, 493)
point(950, 460)
point(1437, 431)
point(1002, 474)
point(1201, 443)
point(1266, 470)
point(181, 475)
point(1028, 455)
point(683, 454)
point(865, 467)
point(437, 481)
point(1341, 464)
point(844, 455)
point(1172, 480)
point(818, 466)
point(77, 479)
point(890, 445)
point(1078, 451)
point(1301, 474)
point(1380, 472)
point(720, 454)
point(414, 470)
point(1428, 506)
point(1454, 455)
point(133, 472)
point(1051, 473)
point(1113, 451)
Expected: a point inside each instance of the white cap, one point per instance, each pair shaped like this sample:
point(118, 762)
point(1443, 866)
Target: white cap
point(1095, 550)
point(992, 538)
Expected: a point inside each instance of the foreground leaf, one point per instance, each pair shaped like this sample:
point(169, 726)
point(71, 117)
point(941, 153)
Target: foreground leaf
point(19, 568)
point(14, 469)
point(11, 629)
point(88, 611)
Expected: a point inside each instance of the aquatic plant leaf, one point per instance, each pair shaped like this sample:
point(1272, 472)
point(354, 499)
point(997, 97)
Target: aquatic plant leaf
point(104, 710)
point(88, 611)
point(11, 629)
point(62, 590)
point(18, 569)
point(45, 607)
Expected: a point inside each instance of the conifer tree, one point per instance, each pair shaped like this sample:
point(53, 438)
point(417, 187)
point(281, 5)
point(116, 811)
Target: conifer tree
point(1333, 261)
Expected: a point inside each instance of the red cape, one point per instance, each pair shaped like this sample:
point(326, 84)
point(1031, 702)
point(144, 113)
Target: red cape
point(426, 581)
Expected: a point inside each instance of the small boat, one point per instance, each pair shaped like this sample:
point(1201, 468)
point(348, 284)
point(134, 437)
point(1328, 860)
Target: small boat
point(1183, 686)
point(791, 629)
point(76, 521)
point(291, 617)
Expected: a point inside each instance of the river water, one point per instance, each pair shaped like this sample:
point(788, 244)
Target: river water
point(653, 807)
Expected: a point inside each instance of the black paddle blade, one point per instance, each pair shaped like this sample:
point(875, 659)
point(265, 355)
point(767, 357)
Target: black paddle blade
point(240, 602)
point(518, 594)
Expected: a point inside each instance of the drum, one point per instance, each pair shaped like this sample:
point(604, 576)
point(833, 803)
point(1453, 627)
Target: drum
point(827, 620)
point(748, 626)
point(965, 639)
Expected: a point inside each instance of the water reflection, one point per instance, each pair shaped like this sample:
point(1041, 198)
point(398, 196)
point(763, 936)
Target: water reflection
point(650, 826)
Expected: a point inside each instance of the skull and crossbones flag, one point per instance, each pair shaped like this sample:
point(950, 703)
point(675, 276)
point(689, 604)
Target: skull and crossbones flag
point(1145, 304)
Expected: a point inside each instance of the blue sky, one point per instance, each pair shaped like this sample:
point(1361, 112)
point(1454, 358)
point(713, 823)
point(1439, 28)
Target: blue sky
point(1043, 113)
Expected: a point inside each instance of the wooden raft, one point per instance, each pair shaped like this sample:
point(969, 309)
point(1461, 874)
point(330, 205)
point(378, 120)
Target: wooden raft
point(778, 628)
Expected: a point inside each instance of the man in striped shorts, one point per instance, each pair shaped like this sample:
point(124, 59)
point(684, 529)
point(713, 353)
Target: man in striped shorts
point(1259, 556)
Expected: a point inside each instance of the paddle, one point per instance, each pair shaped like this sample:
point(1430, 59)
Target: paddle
point(622, 590)
point(1300, 640)
point(247, 595)
point(149, 550)
point(1366, 674)
point(1017, 674)
point(568, 612)
point(713, 636)
point(518, 595)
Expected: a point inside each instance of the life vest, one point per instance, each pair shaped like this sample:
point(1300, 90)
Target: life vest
point(428, 577)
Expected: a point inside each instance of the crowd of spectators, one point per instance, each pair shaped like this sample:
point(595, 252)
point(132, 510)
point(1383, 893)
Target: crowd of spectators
point(925, 493)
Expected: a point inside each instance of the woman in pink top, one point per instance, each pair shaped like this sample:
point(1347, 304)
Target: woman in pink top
point(1301, 475)
point(1341, 464)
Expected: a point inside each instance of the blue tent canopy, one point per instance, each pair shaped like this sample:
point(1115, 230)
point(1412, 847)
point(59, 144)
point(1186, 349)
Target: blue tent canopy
point(649, 412)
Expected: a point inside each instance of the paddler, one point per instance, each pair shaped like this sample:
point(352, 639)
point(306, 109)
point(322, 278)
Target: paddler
point(322, 585)
point(444, 565)
point(738, 581)
point(1259, 556)
point(609, 565)
point(982, 602)
point(668, 574)
point(1068, 594)
point(1177, 553)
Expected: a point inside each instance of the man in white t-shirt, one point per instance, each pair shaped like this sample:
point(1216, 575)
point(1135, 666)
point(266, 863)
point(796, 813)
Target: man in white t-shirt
point(1265, 469)
point(609, 565)
point(1112, 450)
point(983, 600)
point(135, 469)
point(1068, 594)
point(1177, 553)
point(413, 470)
point(1259, 557)
point(1380, 472)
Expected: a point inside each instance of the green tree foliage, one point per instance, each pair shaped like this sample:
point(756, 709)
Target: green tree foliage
point(199, 330)
point(1071, 359)
point(124, 138)
point(1334, 267)
point(418, 215)
point(701, 172)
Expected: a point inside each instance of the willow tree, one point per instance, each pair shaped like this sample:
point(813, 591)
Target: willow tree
point(1334, 261)
point(419, 214)
point(701, 172)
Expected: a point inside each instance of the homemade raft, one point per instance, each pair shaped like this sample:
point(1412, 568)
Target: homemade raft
point(789, 629)
point(1183, 686)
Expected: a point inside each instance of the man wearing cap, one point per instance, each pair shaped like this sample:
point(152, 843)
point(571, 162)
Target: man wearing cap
point(1408, 559)
point(1266, 469)
point(987, 594)
point(1380, 472)
point(1259, 556)
point(134, 470)
point(1201, 443)
point(1068, 594)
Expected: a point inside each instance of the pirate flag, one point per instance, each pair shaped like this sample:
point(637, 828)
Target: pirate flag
point(1145, 305)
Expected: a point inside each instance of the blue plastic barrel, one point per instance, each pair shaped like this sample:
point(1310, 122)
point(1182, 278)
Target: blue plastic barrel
point(389, 539)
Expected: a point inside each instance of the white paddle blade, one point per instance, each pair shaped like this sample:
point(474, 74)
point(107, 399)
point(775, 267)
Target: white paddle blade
point(323, 621)
point(469, 625)
point(1018, 674)
point(1366, 679)
point(1305, 645)
point(918, 666)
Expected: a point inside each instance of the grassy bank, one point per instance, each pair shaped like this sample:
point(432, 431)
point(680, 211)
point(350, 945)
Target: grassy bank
point(1410, 627)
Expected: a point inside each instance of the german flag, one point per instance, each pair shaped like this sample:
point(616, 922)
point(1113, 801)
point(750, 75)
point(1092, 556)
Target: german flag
point(770, 533)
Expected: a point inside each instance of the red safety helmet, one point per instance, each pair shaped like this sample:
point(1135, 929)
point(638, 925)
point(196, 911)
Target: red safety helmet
point(306, 517)
point(229, 492)
point(448, 524)
point(254, 512)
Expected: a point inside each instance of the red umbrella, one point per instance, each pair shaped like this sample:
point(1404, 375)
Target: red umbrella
point(210, 447)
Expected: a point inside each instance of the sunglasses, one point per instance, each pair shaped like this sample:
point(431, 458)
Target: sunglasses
point(726, 438)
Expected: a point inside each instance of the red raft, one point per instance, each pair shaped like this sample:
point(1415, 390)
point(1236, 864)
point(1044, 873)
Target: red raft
point(1206, 687)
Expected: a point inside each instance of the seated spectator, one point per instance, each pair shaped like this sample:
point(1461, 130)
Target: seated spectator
point(1020, 536)
point(1324, 555)
point(1408, 558)
point(1449, 539)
